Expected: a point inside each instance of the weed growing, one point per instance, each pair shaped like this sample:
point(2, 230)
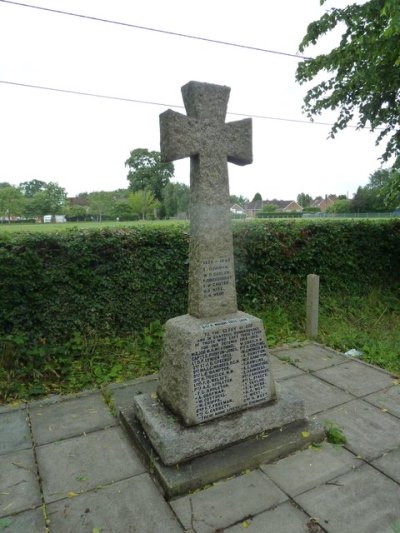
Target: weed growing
point(369, 323)
point(334, 433)
point(83, 363)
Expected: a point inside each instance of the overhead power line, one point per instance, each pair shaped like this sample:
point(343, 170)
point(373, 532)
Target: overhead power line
point(157, 30)
point(147, 102)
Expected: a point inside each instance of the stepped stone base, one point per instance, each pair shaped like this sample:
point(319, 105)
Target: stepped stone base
point(264, 447)
point(176, 443)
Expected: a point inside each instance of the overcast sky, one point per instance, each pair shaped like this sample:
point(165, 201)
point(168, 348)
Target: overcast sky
point(82, 142)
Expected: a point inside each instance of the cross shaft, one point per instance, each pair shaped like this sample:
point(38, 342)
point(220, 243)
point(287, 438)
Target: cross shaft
point(210, 143)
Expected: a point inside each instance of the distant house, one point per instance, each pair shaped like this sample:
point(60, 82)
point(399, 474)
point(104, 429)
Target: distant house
point(252, 208)
point(324, 203)
point(237, 210)
point(286, 205)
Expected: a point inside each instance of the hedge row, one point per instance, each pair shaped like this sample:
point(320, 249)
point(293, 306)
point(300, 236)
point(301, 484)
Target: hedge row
point(116, 281)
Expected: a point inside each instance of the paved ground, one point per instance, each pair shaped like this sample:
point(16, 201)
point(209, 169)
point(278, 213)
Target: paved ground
point(66, 464)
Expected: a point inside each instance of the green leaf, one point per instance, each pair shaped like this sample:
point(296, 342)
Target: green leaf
point(5, 522)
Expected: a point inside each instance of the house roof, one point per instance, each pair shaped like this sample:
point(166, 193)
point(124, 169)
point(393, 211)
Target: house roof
point(280, 204)
point(328, 198)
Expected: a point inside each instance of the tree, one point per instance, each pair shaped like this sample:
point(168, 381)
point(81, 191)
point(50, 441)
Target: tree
point(176, 199)
point(386, 182)
point(101, 204)
point(382, 192)
point(304, 199)
point(240, 200)
point(11, 202)
point(364, 80)
point(143, 203)
point(49, 201)
point(257, 197)
point(392, 193)
point(341, 205)
point(147, 172)
point(367, 199)
point(269, 208)
point(30, 188)
point(76, 212)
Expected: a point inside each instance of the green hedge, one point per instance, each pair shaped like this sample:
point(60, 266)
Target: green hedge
point(116, 281)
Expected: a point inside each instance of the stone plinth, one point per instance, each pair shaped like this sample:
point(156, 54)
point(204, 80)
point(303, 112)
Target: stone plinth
point(175, 443)
point(213, 367)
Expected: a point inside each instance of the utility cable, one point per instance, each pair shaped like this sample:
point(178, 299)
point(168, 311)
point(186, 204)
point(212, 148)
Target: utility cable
point(157, 30)
point(147, 102)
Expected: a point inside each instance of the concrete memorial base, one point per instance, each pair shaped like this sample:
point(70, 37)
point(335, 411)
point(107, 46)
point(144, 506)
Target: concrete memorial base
point(228, 446)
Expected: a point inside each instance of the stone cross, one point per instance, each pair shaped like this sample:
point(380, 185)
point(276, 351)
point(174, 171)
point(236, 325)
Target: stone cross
point(210, 143)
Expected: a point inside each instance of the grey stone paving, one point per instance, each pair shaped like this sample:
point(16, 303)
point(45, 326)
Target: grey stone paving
point(60, 420)
point(133, 505)
point(19, 487)
point(389, 464)
point(310, 357)
point(361, 501)
point(91, 477)
point(82, 463)
point(370, 432)
point(228, 502)
point(308, 469)
point(356, 378)
point(123, 393)
point(15, 433)
point(317, 395)
point(284, 369)
point(285, 518)
point(387, 399)
point(25, 522)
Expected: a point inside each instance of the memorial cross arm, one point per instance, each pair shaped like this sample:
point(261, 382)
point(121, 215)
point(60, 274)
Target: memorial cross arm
point(210, 142)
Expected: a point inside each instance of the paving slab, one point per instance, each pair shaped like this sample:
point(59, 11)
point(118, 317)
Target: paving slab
point(68, 418)
point(82, 463)
point(387, 399)
point(389, 464)
point(26, 522)
point(19, 486)
point(317, 394)
point(132, 505)
point(227, 502)
point(310, 357)
point(356, 377)
point(13, 406)
point(362, 500)
point(284, 369)
point(15, 432)
point(369, 431)
point(123, 393)
point(285, 518)
point(309, 468)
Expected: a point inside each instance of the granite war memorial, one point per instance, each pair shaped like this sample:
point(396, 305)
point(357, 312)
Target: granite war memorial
point(216, 399)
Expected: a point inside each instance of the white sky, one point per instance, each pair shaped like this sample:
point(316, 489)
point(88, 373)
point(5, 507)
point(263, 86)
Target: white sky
point(82, 142)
